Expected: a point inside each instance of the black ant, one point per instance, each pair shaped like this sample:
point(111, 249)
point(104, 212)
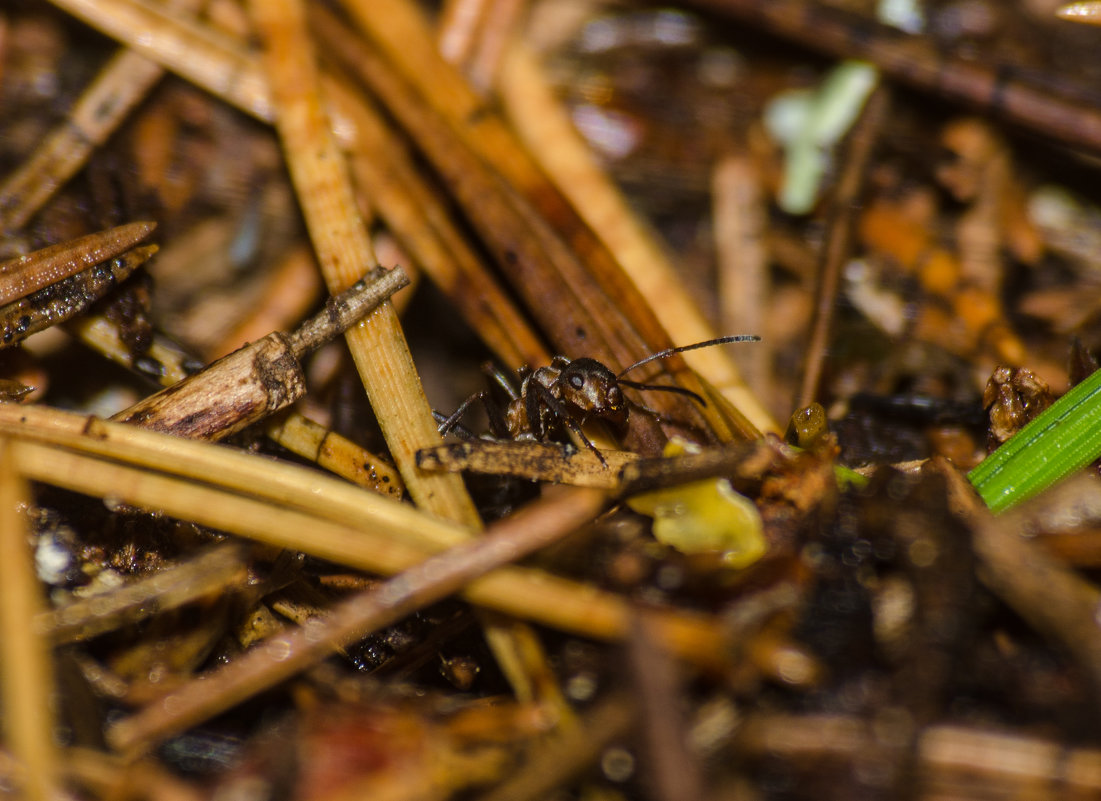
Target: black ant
point(568, 393)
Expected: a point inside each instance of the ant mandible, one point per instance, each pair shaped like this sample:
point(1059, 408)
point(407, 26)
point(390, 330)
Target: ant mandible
point(568, 393)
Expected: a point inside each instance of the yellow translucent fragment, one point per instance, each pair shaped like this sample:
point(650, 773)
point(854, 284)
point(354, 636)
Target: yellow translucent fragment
point(705, 515)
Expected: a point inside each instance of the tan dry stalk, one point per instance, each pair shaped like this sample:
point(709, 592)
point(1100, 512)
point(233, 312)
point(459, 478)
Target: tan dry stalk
point(278, 482)
point(290, 293)
point(568, 278)
point(297, 508)
point(222, 66)
point(739, 222)
point(562, 758)
point(459, 26)
point(302, 436)
point(103, 336)
point(68, 297)
point(261, 378)
point(24, 656)
point(413, 210)
point(378, 345)
point(475, 34)
point(344, 251)
point(291, 430)
point(97, 113)
point(538, 461)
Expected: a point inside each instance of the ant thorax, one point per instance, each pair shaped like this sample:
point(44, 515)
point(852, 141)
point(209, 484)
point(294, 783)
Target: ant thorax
point(583, 389)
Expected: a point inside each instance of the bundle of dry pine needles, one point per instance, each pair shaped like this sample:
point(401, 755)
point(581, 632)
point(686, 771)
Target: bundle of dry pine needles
point(314, 608)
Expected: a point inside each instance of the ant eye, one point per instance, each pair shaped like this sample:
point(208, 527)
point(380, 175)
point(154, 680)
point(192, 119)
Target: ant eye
point(576, 381)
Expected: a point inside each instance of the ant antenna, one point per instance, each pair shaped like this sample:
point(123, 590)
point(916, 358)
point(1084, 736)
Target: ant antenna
point(706, 344)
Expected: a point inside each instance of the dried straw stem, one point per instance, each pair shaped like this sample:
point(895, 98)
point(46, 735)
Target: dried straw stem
point(475, 34)
point(538, 461)
point(24, 657)
point(344, 250)
point(337, 454)
point(413, 210)
point(214, 61)
point(292, 507)
point(291, 430)
point(569, 280)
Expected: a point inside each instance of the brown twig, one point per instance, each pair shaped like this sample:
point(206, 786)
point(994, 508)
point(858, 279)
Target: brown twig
point(290, 507)
point(460, 21)
point(260, 378)
point(671, 766)
point(343, 249)
point(839, 238)
point(539, 461)
point(208, 57)
point(378, 345)
point(1054, 599)
point(335, 453)
point(394, 188)
point(482, 33)
point(106, 102)
point(952, 760)
point(559, 760)
point(291, 291)
point(739, 220)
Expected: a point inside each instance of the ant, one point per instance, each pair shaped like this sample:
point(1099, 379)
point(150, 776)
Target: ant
point(567, 393)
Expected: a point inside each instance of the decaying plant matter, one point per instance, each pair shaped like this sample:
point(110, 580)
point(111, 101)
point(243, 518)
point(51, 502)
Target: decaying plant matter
point(256, 252)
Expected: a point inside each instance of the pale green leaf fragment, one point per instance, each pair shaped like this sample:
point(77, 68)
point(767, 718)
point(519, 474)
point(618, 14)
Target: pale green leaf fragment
point(810, 124)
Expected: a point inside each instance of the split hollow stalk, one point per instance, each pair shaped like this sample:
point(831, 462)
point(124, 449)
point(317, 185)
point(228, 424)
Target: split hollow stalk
point(260, 378)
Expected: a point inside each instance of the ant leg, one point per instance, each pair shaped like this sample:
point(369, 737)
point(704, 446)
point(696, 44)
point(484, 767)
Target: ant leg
point(498, 423)
point(501, 379)
point(456, 428)
point(538, 394)
point(664, 418)
point(457, 415)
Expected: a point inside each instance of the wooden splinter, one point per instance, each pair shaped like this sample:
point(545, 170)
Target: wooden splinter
point(261, 378)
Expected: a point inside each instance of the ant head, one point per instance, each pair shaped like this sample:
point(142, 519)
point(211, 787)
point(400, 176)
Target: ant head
point(593, 389)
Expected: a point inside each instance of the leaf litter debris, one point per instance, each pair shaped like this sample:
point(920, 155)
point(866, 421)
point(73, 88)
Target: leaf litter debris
point(774, 581)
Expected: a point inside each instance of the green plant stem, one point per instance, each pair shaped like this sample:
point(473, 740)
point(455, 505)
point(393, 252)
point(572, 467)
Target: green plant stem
point(1061, 441)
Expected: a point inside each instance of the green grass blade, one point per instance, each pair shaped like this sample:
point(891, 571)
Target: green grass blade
point(1061, 441)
